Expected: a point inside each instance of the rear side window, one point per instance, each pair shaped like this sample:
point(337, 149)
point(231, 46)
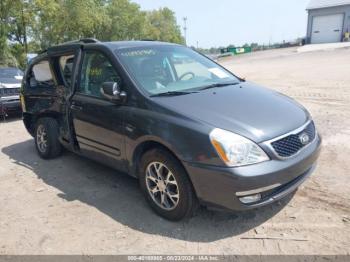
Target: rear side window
point(66, 66)
point(41, 74)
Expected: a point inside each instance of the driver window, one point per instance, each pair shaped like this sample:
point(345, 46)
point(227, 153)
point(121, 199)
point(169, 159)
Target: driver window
point(96, 69)
point(186, 67)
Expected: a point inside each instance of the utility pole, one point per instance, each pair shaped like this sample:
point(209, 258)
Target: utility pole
point(24, 30)
point(185, 29)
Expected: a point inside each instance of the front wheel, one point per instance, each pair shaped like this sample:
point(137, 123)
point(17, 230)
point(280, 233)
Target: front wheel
point(46, 138)
point(166, 185)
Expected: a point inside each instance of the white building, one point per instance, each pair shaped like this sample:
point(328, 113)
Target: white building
point(328, 21)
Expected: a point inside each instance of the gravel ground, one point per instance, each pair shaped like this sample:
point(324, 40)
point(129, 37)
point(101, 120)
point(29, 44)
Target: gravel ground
point(71, 205)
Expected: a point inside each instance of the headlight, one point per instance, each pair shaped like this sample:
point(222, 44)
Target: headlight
point(236, 150)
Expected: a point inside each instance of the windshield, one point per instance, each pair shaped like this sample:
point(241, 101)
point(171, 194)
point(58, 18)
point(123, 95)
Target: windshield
point(10, 73)
point(163, 69)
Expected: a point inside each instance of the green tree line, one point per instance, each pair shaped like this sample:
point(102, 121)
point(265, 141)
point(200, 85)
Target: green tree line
point(32, 25)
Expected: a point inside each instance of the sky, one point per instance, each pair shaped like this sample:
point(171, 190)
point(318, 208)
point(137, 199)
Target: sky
point(223, 22)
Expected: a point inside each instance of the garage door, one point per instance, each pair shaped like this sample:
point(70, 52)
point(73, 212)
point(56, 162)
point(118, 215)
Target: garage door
point(327, 28)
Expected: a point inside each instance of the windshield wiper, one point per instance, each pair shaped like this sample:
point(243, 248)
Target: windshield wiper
point(174, 93)
point(218, 85)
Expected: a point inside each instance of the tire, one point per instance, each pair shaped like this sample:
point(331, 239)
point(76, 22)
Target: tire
point(53, 147)
point(186, 202)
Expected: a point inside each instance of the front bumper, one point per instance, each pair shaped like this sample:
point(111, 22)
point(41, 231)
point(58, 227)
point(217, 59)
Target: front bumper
point(218, 186)
point(9, 105)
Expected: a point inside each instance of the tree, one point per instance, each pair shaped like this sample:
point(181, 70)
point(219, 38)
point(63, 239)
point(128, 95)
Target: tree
point(65, 20)
point(125, 21)
point(18, 54)
point(6, 58)
point(161, 25)
point(29, 25)
point(20, 20)
point(46, 29)
point(254, 45)
point(59, 21)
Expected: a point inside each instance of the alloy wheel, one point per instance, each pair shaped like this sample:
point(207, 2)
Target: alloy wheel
point(162, 186)
point(41, 138)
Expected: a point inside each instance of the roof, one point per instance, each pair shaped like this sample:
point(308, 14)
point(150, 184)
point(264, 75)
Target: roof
point(111, 45)
point(315, 4)
point(73, 45)
point(131, 44)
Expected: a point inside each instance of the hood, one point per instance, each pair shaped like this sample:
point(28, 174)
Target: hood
point(249, 110)
point(10, 82)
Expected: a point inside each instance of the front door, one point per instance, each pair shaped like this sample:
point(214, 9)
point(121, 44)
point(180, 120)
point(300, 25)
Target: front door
point(98, 123)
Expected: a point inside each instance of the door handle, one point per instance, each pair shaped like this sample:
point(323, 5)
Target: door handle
point(75, 107)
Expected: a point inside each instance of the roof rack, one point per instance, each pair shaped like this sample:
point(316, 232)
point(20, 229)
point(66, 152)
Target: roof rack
point(41, 51)
point(66, 44)
point(82, 40)
point(89, 40)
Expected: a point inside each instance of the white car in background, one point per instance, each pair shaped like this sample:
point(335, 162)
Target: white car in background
point(10, 83)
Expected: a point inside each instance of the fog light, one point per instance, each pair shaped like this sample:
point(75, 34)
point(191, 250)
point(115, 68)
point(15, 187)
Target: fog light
point(250, 199)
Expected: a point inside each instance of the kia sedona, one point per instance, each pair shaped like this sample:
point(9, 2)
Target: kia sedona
point(189, 130)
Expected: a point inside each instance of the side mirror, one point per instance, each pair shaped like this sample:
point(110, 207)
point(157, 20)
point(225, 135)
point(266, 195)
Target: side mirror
point(112, 92)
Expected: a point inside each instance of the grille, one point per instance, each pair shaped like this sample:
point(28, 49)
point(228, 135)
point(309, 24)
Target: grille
point(290, 145)
point(9, 91)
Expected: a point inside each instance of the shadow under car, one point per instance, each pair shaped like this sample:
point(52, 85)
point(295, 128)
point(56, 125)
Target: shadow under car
point(118, 196)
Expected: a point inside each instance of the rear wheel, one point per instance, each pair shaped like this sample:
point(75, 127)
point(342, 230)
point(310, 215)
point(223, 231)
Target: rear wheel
point(166, 186)
point(46, 138)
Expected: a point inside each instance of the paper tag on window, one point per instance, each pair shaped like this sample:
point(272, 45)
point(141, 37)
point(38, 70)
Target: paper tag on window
point(218, 72)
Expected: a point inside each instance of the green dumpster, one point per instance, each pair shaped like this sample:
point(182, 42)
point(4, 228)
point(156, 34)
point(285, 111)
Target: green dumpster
point(236, 50)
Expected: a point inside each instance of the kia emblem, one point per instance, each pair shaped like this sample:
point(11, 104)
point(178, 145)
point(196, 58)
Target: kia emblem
point(304, 138)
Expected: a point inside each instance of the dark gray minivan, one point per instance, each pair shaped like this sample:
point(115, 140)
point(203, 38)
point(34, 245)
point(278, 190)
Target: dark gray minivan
point(190, 131)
